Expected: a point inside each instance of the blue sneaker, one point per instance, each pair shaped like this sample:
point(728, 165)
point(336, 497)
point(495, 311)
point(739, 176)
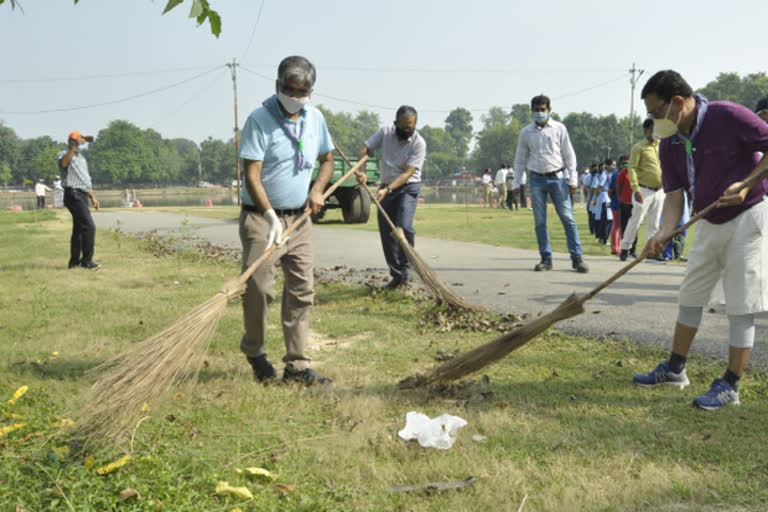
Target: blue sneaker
point(720, 393)
point(662, 375)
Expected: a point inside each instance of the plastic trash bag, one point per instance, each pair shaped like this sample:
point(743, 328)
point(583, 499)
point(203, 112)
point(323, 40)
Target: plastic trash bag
point(439, 432)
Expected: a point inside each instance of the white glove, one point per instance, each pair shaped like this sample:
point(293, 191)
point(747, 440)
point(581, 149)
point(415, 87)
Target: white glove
point(275, 228)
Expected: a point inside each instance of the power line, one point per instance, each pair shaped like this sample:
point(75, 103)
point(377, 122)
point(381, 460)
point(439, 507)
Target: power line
point(379, 69)
point(435, 110)
point(113, 102)
point(96, 77)
point(195, 95)
point(253, 32)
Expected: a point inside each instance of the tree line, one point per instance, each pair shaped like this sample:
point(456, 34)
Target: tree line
point(125, 155)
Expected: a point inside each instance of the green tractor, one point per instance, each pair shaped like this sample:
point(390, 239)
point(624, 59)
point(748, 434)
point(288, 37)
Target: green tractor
point(354, 202)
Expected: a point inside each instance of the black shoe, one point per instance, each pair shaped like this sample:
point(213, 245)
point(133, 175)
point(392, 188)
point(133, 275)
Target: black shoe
point(90, 265)
point(543, 265)
point(624, 255)
point(74, 264)
point(633, 255)
point(394, 283)
point(308, 377)
point(262, 368)
point(660, 257)
point(579, 266)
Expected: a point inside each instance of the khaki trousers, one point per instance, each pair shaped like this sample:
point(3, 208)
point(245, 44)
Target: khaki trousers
point(295, 258)
point(502, 194)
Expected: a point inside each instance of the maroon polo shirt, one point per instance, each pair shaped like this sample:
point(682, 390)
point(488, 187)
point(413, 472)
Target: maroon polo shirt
point(724, 152)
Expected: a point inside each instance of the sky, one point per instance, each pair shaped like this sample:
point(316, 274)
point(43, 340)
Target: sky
point(67, 67)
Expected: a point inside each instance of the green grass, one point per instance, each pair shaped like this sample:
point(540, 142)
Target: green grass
point(465, 223)
point(564, 427)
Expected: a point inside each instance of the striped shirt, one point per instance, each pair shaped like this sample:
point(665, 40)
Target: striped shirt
point(77, 172)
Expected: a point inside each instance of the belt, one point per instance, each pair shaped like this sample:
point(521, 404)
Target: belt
point(279, 211)
point(550, 174)
point(655, 189)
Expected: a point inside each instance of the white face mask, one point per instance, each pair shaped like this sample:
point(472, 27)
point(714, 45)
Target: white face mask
point(82, 146)
point(663, 128)
point(291, 104)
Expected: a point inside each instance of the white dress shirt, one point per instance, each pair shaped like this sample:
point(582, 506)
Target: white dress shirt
point(545, 149)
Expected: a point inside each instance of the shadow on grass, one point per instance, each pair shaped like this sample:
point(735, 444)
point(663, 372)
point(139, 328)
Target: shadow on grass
point(54, 369)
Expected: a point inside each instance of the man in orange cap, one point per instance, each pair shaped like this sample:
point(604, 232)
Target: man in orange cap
point(77, 190)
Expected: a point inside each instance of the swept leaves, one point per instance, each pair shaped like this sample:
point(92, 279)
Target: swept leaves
point(223, 488)
point(113, 466)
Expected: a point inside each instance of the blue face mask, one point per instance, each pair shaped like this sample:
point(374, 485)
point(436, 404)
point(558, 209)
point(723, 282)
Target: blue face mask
point(540, 117)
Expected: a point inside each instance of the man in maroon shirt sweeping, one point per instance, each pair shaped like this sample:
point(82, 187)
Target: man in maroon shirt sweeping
point(709, 149)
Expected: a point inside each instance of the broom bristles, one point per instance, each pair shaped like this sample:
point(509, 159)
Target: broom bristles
point(497, 349)
point(442, 293)
point(141, 374)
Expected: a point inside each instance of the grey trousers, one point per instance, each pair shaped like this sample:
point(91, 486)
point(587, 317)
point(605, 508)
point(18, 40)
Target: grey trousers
point(295, 258)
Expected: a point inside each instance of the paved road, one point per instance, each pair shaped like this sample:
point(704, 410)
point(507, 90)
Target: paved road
point(641, 306)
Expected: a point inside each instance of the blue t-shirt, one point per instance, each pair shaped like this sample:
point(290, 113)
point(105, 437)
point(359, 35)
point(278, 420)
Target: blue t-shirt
point(612, 188)
point(263, 139)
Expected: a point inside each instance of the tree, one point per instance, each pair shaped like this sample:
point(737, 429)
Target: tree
point(10, 147)
point(521, 112)
point(200, 10)
point(496, 145)
point(38, 160)
point(495, 116)
point(189, 154)
point(218, 160)
point(123, 154)
point(442, 160)
point(350, 132)
point(745, 91)
point(5, 173)
point(459, 125)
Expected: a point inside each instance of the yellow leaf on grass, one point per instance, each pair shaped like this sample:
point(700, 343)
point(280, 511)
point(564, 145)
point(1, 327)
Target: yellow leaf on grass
point(89, 462)
point(109, 468)
point(236, 509)
point(54, 354)
point(284, 488)
point(60, 451)
point(18, 394)
point(241, 492)
point(64, 422)
point(145, 408)
point(11, 428)
point(12, 416)
point(129, 493)
point(258, 472)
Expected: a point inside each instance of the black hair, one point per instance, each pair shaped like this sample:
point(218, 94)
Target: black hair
point(407, 111)
point(648, 123)
point(665, 84)
point(623, 158)
point(540, 100)
point(609, 161)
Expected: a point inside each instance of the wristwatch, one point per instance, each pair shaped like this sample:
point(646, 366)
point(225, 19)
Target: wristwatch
point(389, 190)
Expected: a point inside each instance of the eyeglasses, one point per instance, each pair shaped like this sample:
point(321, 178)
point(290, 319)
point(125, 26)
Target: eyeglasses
point(295, 92)
point(653, 114)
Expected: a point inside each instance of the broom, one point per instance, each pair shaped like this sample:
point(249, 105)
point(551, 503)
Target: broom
point(440, 290)
point(497, 349)
point(132, 380)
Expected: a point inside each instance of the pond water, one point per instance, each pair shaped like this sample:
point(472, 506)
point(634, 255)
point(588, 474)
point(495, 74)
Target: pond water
point(218, 197)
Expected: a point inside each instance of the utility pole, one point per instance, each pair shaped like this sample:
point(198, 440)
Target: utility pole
point(233, 68)
point(633, 81)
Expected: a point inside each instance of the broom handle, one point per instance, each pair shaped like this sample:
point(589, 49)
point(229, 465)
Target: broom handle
point(250, 270)
point(370, 194)
point(748, 183)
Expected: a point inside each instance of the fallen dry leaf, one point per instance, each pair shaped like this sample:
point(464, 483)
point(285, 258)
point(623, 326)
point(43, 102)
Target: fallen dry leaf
point(64, 422)
point(241, 492)
point(30, 436)
point(61, 452)
point(10, 428)
point(145, 408)
point(260, 472)
point(111, 467)
point(18, 394)
point(12, 416)
point(19, 508)
point(178, 395)
point(283, 488)
point(129, 493)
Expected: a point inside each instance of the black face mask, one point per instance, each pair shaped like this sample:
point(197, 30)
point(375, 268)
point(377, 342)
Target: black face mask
point(403, 134)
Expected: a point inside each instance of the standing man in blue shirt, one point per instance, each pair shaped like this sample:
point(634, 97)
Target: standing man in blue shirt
point(545, 151)
point(403, 152)
point(78, 189)
point(280, 143)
